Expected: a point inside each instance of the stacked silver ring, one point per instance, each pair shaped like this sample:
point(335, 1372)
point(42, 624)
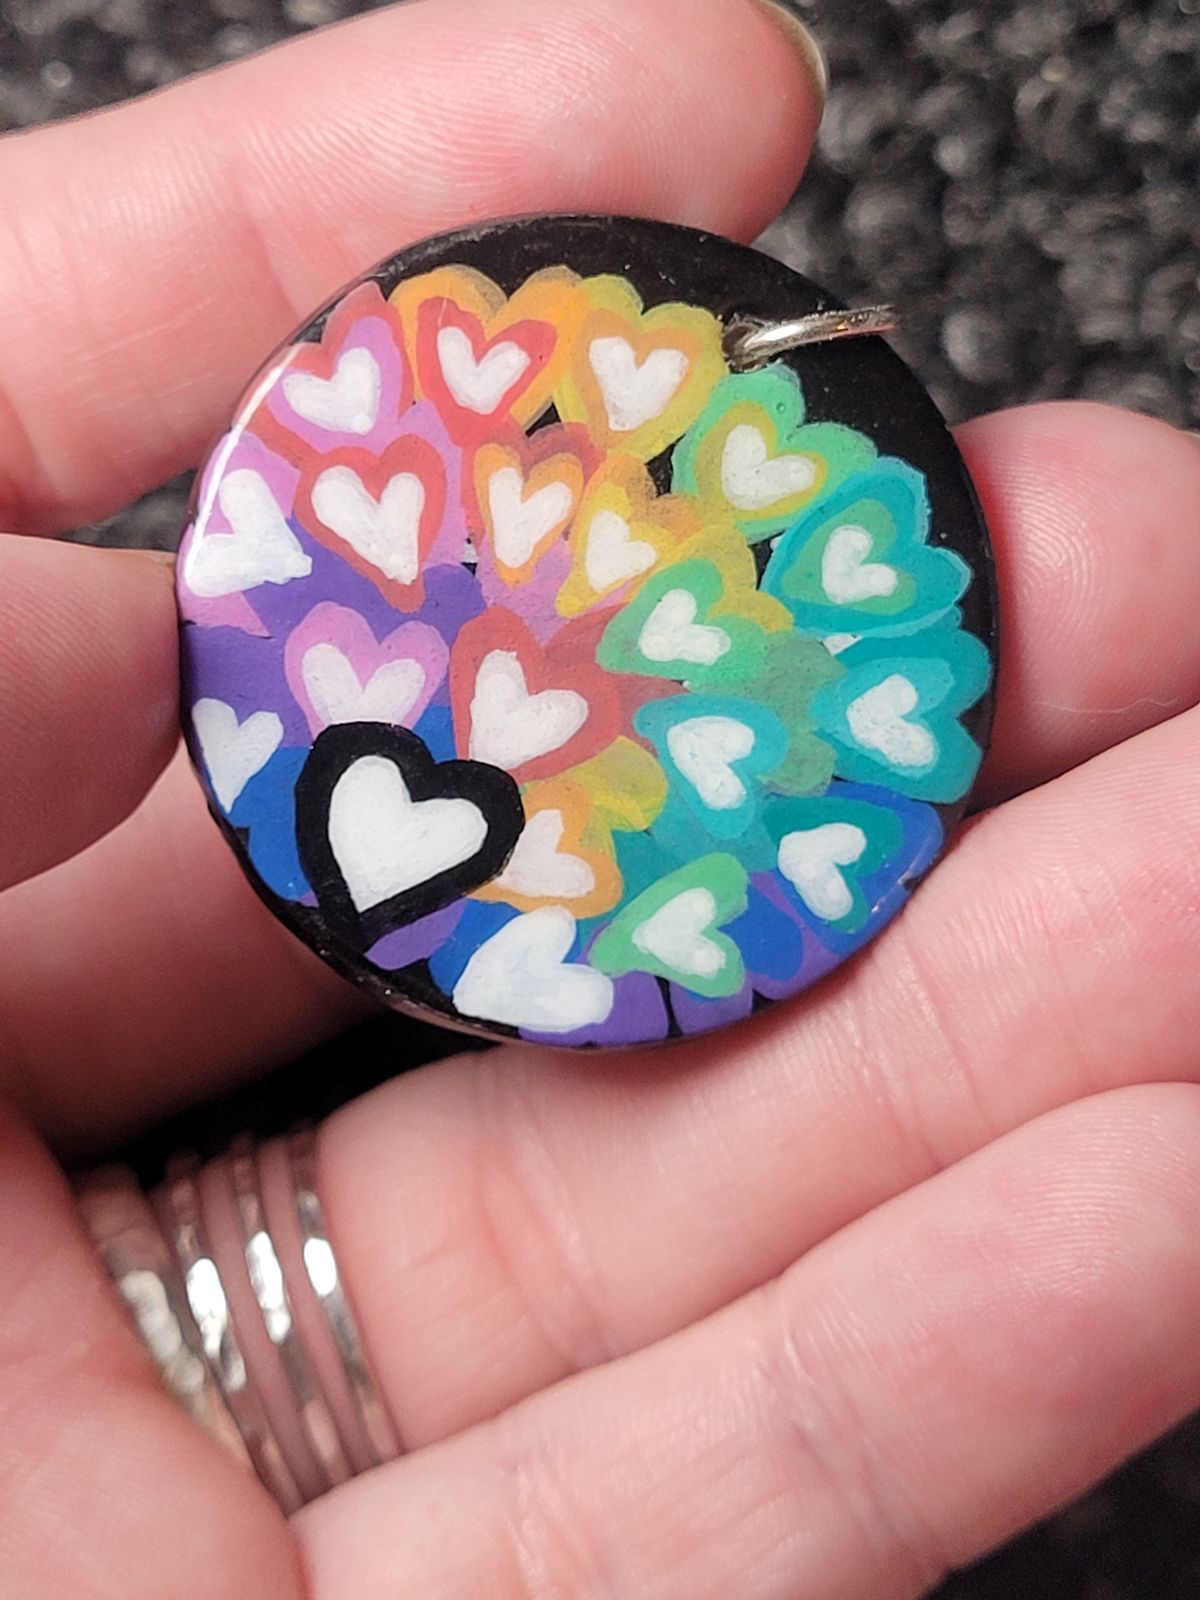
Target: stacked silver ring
point(158, 1251)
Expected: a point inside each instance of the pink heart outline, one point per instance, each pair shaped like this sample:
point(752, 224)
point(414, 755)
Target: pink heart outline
point(365, 322)
point(351, 634)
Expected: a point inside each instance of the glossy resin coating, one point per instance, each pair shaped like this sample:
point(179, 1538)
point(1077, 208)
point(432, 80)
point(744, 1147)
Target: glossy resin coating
point(554, 679)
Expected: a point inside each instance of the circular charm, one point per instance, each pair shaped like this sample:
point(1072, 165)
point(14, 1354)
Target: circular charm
point(555, 677)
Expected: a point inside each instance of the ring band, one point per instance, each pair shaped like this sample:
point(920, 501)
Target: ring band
point(179, 1200)
point(321, 1266)
point(131, 1247)
point(269, 1283)
point(243, 1358)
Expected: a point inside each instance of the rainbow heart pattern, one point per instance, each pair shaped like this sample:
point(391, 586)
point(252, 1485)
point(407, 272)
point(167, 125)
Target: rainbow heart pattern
point(558, 678)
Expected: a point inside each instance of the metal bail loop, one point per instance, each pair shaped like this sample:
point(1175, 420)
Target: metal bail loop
point(750, 343)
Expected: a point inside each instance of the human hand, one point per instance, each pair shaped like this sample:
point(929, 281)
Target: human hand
point(822, 1306)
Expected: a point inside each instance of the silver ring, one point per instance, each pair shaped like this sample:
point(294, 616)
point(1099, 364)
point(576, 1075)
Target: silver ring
point(269, 1283)
point(320, 1264)
point(222, 1347)
point(180, 1201)
point(131, 1247)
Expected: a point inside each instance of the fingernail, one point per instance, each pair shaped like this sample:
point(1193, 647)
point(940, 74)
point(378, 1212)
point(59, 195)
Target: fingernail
point(781, 12)
point(164, 558)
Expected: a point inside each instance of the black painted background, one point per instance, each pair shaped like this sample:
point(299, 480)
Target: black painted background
point(1023, 177)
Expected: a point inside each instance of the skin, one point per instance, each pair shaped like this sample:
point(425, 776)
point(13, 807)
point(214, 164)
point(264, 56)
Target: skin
point(821, 1308)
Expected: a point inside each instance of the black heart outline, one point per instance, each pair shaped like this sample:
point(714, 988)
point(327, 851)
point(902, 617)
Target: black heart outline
point(334, 752)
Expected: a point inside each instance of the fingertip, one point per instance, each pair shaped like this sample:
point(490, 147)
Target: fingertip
point(757, 132)
point(88, 716)
point(1082, 445)
point(758, 128)
point(700, 112)
point(1093, 516)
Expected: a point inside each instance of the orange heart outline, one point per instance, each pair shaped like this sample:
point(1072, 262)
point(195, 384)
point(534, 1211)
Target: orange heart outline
point(537, 470)
point(615, 311)
point(584, 836)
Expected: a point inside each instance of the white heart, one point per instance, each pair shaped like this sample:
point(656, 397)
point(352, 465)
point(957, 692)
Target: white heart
point(877, 721)
point(385, 842)
point(521, 978)
point(704, 749)
point(338, 695)
point(386, 532)
point(510, 726)
point(753, 480)
point(635, 392)
point(234, 751)
point(518, 524)
point(347, 402)
point(479, 385)
point(538, 870)
point(671, 632)
point(846, 574)
point(677, 935)
point(810, 860)
point(612, 554)
point(259, 548)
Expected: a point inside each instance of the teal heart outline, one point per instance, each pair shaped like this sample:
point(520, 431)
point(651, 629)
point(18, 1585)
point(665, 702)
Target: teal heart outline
point(949, 670)
point(884, 832)
point(931, 579)
point(675, 826)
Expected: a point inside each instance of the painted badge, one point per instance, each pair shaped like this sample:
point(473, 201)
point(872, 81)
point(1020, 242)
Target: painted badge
point(551, 677)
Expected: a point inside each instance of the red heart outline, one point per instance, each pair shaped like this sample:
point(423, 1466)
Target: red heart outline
point(410, 454)
point(568, 663)
point(539, 341)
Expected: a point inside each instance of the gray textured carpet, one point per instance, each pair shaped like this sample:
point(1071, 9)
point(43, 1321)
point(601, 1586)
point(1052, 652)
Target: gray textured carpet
point(1023, 179)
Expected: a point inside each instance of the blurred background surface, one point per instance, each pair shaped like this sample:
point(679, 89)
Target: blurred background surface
point(1022, 178)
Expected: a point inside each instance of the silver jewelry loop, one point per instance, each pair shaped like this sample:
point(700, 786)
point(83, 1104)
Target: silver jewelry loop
point(270, 1290)
point(321, 1266)
point(130, 1244)
point(751, 343)
point(210, 1309)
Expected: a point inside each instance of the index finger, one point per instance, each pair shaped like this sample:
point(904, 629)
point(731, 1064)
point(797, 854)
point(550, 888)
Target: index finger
point(157, 253)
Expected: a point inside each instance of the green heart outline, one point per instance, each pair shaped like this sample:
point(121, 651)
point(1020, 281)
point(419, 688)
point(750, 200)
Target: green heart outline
point(619, 648)
point(726, 880)
point(777, 389)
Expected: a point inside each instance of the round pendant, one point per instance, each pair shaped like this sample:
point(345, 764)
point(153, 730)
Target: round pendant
point(559, 674)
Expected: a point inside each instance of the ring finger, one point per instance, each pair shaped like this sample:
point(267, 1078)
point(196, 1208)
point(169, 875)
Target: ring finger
point(947, 1370)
